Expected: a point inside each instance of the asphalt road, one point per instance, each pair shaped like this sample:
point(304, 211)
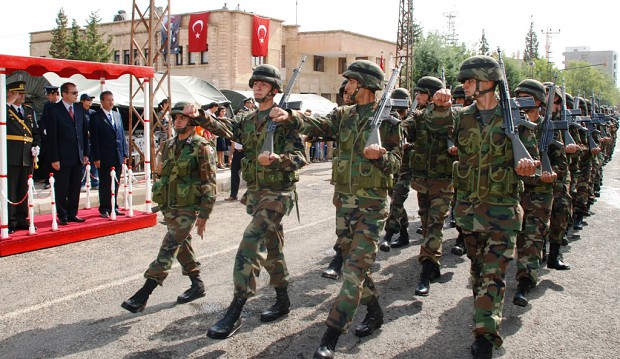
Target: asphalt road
point(64, 302)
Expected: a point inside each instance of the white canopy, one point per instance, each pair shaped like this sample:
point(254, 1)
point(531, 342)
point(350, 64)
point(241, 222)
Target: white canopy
point(318, 104)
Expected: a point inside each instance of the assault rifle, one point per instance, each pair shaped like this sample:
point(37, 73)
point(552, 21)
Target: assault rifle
point(510, 111)
point(284, 104)
point(547, 131)
point(384, 108)
point(564, 122)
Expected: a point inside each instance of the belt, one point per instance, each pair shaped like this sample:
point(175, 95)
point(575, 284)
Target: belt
point(19, 138)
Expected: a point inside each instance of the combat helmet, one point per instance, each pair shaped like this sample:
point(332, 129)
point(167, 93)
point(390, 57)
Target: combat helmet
point(342, 86)
point(401, 94)
point(368, 74)
point(480, 67)
point(570, 101)
point(429, 85)
point(534, 88)
point(178, 109)
point(267, 73)
point(458, 92)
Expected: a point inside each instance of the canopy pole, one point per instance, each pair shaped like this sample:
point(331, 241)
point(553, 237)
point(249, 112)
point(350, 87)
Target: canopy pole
point(146, 113)
point(4, 205)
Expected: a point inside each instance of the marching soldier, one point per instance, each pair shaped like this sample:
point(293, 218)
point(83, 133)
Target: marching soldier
point(185, 192)
point(23, 142)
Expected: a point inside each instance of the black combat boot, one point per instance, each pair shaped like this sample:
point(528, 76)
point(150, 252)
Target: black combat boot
point(452, 219)
point(459, 245)
point(565, 240)
point(402, 240)
point(555, 259)
point(523, 288)
point(482, 349)
point(280, 308)
point(334, 270)
point(230, 323)
point(373, 319)
point(419, 230)
point(197, 290)
point(384, 244)
point(137, 303)
point(430, 271)
point(327, 347)
point(578, 221)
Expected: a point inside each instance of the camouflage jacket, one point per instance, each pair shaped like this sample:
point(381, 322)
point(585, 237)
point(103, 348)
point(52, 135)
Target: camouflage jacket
point(187, 180)
point(249, 129)
point(352, 173)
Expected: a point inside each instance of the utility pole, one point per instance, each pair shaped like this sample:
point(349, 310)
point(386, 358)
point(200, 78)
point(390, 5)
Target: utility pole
point(404, 43)
point(548, 35)
point(451, 37)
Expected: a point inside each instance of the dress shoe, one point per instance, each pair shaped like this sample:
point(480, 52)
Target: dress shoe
point(230, 199)
point(76, 219)
point(119, 213)
point(11, 230)
point(105, 215)
point(63, 221)
point(24, 226)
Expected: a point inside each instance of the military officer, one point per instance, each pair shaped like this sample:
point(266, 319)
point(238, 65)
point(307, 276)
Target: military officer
point(23, 142)
point(185, 192)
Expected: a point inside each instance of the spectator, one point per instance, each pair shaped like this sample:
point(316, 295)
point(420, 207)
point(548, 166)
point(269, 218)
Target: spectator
point(220, 144)
point(86, 101)
point(53, 96)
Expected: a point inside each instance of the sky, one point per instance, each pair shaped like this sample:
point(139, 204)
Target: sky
point(592, 24)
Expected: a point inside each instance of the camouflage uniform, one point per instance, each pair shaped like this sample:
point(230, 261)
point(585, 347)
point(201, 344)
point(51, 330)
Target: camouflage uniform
point(561, 210)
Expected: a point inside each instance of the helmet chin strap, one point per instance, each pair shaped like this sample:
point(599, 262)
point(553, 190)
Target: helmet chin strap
point(479, 92)
point(352, 96)
point(267, 96)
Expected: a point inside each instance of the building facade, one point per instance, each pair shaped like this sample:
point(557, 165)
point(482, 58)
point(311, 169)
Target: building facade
point(583, 53)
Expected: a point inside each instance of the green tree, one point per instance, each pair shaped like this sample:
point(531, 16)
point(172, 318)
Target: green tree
point(432, 53)
point(60, 37)
point(95, 47)
point(75, 42)
point(484, 45)
point(531, 44)
point(583, 79)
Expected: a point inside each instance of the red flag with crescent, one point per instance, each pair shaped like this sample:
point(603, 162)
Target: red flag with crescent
point(260, 36)
point(197, 28)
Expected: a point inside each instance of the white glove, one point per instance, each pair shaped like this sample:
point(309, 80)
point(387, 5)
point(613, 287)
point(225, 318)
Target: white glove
point(35, 151)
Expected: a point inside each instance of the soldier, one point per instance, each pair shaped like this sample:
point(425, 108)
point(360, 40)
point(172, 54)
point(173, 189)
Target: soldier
point(487, 184)
point(398, 220)
point(52, 94)
point(22, 147)
point(362, 176)
point(186, 193)
point(270, 195)
point(431, 166)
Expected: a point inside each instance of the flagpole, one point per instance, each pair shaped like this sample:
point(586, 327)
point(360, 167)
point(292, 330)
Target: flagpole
point(296, 13)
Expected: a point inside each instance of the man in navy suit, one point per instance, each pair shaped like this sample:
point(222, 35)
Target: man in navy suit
point(67, 136)
point(108, 149)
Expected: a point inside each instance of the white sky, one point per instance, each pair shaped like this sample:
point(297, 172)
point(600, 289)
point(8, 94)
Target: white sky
point(592, 23)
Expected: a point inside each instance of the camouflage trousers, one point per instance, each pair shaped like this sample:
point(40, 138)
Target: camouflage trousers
point(358, 223)
point(490, 253)
point(580, 202)
point(561, 211)
point(597, 176)
point(397, 218)
point(434, 197)
point(177, 244)
point(536, 214)
point(262, 242)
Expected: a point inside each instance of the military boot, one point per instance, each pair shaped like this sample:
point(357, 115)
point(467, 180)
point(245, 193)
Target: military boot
point(459, 245)
point(555, 258)
point(402, 240)
point(280, 308)
point(334, 270)
point(197, 290)
point(452, 219)
point(430, 271)
point(565, 240)
point(578, 221)
point(137, 302)
point(482, 349)
point(523, 288)
point(230, 323)
point(327, 347)
point(373, 319)
point(384, 244)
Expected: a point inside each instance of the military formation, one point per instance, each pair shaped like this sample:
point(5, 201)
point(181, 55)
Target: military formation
point(516, 176)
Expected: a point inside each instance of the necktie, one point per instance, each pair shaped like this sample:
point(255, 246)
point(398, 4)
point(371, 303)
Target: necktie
point(19, 111)
point(71, 113)
point(111, 121)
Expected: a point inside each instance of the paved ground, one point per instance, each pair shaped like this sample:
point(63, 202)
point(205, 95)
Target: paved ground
point(64, 302)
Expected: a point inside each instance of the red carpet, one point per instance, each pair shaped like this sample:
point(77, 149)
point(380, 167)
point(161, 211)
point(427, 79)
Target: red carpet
point(94, 227)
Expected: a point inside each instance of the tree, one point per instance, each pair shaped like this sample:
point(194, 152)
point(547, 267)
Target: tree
point(583, 79)
point(60, 37)
point(75, 42)
point(484, 45)
point(531, 45)
point(95, 47)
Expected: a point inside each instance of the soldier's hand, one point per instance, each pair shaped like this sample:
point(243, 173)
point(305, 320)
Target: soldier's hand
point(200, 226)
point(453, 150)
point(526, 167)
point(266, 158)
point(547, 177)
point(374, 152)
point(191, 110)
point(596, 150)
point(572, 148)
point(279, 115)
point(56, 165)
point(443, 98)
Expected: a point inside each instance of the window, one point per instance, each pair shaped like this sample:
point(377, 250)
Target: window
point(136, 60)
point(146, 55)
point(179, 57)
point(126, 57)
point(117, 56)
point(283, 57)
point(342, 64)
point(257, 60)
point(362, 58)
point(204, 57)
point(319, 63)
point(191, 57)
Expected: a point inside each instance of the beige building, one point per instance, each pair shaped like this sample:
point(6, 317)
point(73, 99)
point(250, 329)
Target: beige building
point(228, 63)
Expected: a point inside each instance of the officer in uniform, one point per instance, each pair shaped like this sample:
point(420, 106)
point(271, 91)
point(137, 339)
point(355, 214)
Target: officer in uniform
point(185, 192)
point(270, 195)
point(431, 165)
point(22, 134)
point(487, 184)
point(52, 94)
point(362, 176)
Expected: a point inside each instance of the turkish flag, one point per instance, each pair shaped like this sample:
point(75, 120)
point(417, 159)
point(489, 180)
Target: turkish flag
point(197, 30)
point(260, 36)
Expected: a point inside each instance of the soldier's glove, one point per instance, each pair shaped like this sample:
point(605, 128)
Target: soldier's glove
point(35, 151)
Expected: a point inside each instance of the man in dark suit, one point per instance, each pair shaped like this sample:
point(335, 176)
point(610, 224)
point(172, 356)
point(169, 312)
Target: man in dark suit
point(52, 93)
point(22, 147)
point(67, 137)
point(109, 149)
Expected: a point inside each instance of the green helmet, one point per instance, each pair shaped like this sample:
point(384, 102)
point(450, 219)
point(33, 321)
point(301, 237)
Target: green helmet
point(458, 92)
point(481, 67)
point(341, 90)
point(401, 94)
point(267, 73)
point(534, 88)
point(570, 101)
point(368, 74)
point(178, 109)
point(429, 85)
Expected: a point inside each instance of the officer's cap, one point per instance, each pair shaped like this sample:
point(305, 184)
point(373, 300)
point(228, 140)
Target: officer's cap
point(17, 86)
point(51, 89)
point(87, 97)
